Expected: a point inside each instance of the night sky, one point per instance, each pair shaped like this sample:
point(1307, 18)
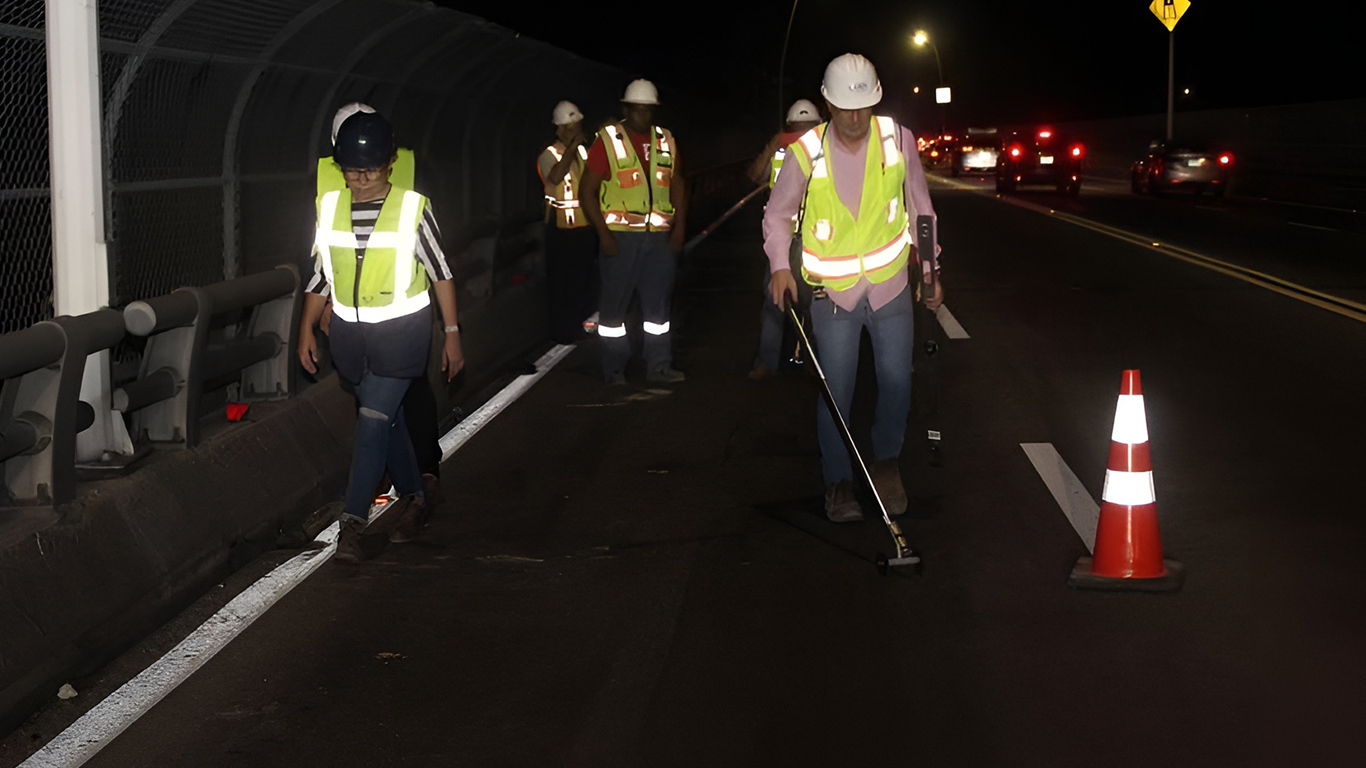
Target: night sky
point(1007, 62)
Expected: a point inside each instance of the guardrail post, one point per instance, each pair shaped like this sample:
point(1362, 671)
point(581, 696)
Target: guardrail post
point(40, 407)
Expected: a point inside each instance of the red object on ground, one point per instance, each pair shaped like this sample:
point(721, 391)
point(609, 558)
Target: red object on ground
point(237, 410)
point(1128, 549)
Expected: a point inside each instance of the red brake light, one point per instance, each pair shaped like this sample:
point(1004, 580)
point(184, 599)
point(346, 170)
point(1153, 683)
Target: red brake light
point(1015, 150)
point(1076, 151)
point(1045, 134)
point(1226, 159)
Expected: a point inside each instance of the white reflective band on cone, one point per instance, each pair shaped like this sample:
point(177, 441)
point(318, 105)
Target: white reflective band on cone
point(612, 332)
point(657, 329)
point(1128, 488)
point(1131, 423)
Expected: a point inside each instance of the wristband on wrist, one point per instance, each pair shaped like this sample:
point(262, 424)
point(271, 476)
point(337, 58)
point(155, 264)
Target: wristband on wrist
point(453, 328)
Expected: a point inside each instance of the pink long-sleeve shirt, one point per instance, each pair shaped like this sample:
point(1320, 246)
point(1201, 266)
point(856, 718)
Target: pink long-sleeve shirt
point(847, 169)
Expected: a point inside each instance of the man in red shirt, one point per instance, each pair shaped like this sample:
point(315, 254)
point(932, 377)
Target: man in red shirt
point(633, 193)
point(802, 116)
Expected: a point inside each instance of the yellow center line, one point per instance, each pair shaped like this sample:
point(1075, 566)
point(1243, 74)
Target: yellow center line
point(1335, 304)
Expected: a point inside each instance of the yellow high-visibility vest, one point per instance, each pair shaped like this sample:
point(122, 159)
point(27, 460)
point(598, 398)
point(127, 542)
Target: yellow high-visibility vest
point(393, 282)
point(633, 200)
point(330, 176)
point(837, 249)
point(563, 198)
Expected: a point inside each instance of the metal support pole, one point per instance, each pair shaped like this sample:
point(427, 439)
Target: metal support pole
point(80, 265)
point(1171, 80)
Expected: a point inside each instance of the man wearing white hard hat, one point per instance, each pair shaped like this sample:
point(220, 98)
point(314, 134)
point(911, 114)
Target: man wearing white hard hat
point(571, 245)
point(802, 116)
point(634, 195)
point(858, 187)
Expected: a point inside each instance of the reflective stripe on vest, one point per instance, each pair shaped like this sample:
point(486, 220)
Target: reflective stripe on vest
point(837, 249)
point(631, 199)
point(393, 282)
point(564, 198)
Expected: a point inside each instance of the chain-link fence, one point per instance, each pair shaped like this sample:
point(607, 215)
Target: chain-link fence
point(25, 198)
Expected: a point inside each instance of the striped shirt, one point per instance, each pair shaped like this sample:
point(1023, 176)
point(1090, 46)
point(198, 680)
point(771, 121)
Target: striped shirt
point(363, 218)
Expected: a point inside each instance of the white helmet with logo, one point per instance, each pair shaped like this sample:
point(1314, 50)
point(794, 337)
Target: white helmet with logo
point(803, 111)
point(566, 112)
point(345, 112)
point(851, 82)
point(641, 92)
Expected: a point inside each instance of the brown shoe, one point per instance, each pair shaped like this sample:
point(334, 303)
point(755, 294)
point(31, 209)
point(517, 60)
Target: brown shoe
point(414, 519)
point(887, 480)
point(354, 543)
point(840, 504)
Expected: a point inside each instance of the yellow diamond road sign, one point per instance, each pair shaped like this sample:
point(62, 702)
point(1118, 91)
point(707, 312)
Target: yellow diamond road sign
point(1169, 11)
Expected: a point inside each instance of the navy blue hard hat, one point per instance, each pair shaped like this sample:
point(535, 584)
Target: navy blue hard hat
point(365, 140)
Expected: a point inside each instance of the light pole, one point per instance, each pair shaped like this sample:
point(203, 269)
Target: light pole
point(921, 39)
point(782, 62)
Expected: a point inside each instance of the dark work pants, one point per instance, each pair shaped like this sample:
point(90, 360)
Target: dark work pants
point(571, 280)
point(644, 264)
point(419, 408)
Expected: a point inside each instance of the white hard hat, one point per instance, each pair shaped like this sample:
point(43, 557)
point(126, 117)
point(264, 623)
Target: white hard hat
point(566, 112)
point(803, 111)
point(345, 112)
point(641, 92)
point(851, 82)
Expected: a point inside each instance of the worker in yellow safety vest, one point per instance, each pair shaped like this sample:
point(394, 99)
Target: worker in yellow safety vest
point(634, 195)
point(419, 402)
point(571, 244)
point(802, 116)
point(377, 250)
point(857, 185)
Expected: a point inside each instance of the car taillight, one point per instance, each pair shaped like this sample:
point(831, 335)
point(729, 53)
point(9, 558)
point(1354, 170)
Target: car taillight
point(934, 153)
point(1016, 150)
point(1076, 150)
point(1045, 134)
point(1226, 159)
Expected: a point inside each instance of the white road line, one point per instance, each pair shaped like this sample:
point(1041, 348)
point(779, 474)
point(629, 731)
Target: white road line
point(1067, 490)
point(481, 417)
point(106, 720)
point(949, 323)
point(1311, 226)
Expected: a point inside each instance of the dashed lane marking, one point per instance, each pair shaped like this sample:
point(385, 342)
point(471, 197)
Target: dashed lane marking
point(106, 720)
point(1335, 304)
point(1081, 510)
point(949, 323)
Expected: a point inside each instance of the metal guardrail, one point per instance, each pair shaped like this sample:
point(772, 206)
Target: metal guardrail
point(40, 407)
point(194, 346)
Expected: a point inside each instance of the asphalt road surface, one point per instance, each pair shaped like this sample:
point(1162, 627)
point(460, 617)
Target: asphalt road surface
point(641, 576)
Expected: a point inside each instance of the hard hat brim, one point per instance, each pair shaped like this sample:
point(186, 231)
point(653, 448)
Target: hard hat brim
point(850, 101)
point(653, 103)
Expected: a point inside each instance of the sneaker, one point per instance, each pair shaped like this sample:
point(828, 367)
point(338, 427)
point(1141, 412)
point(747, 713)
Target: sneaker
point(350, 541)
point(665, 375)
point(840, 504)
point(410, 525)
point(887, 480)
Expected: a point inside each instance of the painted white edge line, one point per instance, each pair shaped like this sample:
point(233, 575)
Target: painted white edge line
point(106, 720)
point(476, 421)
point(1081, 510)
point(952, 328)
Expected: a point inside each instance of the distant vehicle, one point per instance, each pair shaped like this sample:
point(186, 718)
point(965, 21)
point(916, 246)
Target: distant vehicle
point(937, 151)
point(1040, 157)
point(975, 152)
point(1181, 165)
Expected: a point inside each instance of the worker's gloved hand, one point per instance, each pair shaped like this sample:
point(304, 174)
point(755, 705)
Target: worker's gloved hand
point(607, 242)
point(784, 288)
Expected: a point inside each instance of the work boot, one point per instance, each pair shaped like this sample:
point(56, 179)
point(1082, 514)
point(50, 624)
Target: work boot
point(887, 481)
point(840, 504)
point(431, 489)
point(665, 375)
point(414, 519)
point(351, 544)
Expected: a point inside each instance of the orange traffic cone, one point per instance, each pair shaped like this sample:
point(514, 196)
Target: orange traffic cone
point(1128, 550)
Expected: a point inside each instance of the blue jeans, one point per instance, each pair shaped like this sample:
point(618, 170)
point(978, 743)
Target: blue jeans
point(892, 329)
point(381, 439)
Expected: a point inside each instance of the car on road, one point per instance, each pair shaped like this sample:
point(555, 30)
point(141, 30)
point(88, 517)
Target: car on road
point(975, 152)
point(1042, 156)
point(1181, 165)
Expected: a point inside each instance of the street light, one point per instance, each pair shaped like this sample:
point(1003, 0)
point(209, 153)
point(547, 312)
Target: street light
point(941, 93)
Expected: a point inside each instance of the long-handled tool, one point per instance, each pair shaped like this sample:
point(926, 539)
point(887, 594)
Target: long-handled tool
point(905, 555)
point(925, 243)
